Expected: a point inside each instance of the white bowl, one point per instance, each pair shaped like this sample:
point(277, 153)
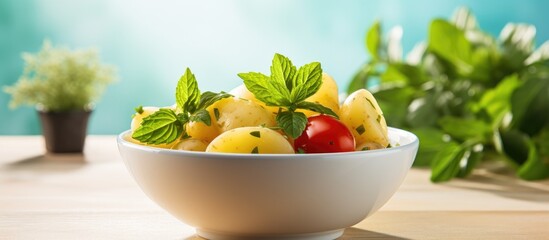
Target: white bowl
point(278, 196)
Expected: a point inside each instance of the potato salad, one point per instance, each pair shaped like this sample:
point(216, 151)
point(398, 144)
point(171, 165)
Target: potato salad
point(291, 110)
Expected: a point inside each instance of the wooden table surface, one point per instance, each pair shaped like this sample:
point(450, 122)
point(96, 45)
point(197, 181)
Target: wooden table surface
point(92, 196)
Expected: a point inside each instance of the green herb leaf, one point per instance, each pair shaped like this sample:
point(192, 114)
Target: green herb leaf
point(360, 129)
point(283, 71)
point(432, 140)
point(255, 150)
point(465, 129)
point(216, 114)
point(209, 98)
point(262, 88)
point(203, 116)
point(529, 155)
point(535, 167)
point(446, 162)
point(315, 107)
point(495, 101)
point(449, 42)
point(307, 82)
point(530, 102)
point(163, 126)
point(256, 134)
point(471, 161)
point(293, 123)
point(187, 94)
point(373, 40)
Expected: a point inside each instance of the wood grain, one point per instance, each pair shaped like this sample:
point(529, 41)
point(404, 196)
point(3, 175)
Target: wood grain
point(92, 196)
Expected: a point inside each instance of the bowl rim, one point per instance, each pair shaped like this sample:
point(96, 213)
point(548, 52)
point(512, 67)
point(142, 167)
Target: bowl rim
point(413, 144)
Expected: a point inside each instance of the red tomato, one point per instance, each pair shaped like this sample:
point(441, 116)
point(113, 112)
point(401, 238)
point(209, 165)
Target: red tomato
point(325, 134)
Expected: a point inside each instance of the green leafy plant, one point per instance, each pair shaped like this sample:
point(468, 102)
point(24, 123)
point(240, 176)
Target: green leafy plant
point(59, 79)
point(467, 95)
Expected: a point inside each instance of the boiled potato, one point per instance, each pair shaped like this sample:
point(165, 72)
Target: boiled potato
point(255, 140)
point(363, 116)
point(201, 131)
point(138, 117)
point(235, 112)
point(243, 92)
point(191, 144)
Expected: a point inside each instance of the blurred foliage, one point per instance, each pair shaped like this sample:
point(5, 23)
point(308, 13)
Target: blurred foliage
point(465, 94)
point(59, 79)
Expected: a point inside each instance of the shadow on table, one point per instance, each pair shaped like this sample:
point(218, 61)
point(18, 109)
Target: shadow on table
point(47, 163)
point(502, 182)
point(350, 233)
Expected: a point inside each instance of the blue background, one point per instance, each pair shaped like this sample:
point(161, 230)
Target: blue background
point(151, 42)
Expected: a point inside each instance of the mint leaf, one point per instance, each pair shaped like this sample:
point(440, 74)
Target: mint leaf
point(203, 116)
point(446, 162)
point(316, 107)
point(530, 102)
point(307, 82)
point(535, 167)
point(209, 98)
point(163, 126)
point(283, 71)
point(187, 94)
point(464, 128)
point(432, 140)
point(450, 43)
point(495, 101)
point(260, 85)
point(292, 123)
point(373, 40)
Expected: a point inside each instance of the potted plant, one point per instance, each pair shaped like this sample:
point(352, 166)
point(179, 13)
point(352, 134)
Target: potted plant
point(62, 84)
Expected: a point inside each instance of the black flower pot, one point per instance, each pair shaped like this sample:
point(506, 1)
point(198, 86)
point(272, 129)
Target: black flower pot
point(65, 132)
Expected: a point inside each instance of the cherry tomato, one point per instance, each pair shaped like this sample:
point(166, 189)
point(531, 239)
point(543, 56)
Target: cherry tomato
point(324, 134)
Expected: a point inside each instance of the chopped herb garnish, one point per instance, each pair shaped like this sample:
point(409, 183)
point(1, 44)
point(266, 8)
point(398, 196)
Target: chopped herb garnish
point(300, 150)
point(256, 134)
point(365, 149)
point(360, 129)
point(331, 142)
point(371, 103)
point(216, 114)
point(255, 150)
point(378, 119)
